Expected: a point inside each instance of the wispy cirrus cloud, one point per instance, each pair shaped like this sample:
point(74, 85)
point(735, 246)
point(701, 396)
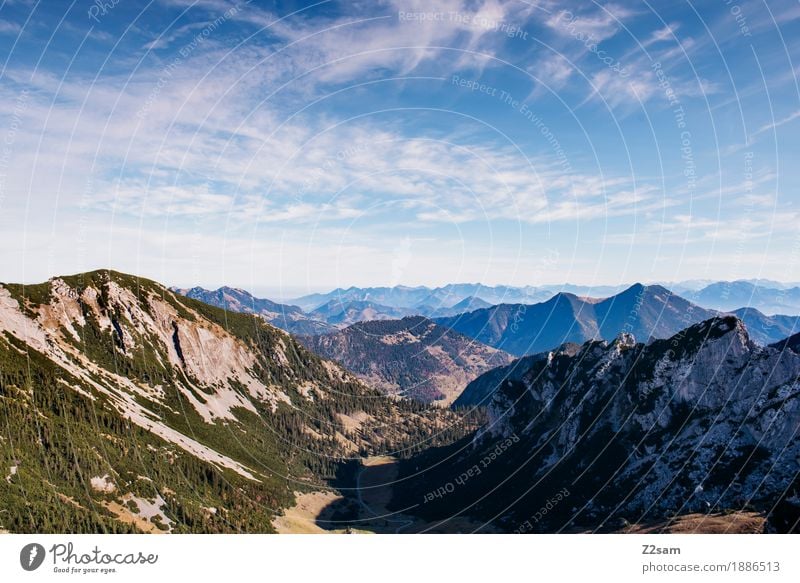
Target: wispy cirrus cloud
point(589, 21)
point(188, 144)
point(775, 124)
point(337, 127)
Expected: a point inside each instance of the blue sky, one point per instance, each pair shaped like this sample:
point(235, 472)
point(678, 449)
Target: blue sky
point(300, 146)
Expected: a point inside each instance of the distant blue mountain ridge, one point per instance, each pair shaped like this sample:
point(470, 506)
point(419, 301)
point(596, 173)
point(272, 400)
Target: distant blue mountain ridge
point(525, 320)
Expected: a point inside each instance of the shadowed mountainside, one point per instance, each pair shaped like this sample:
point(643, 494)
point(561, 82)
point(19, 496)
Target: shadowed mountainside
point(412, 357)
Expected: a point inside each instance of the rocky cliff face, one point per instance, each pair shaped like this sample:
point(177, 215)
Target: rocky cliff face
point(116, 389)
point(703, 421)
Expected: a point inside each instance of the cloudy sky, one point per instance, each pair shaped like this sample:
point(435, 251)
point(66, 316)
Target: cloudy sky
point(300, 146)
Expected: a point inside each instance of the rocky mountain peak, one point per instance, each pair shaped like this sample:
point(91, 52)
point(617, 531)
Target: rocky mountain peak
point(624, 340)
point(727, 331)
point(704, 420)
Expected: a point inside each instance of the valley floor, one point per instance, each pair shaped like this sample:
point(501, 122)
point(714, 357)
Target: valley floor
point(362, 508)
point(302, 517)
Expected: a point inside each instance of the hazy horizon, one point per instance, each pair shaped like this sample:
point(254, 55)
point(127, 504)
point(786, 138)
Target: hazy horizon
point(277, 293)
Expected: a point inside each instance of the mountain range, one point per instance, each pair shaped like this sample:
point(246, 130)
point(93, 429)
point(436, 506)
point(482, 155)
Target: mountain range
point(769, 307)
point(427, 301)
point(610, 436)
point(286, 317)
point(334, 314)
point(130, 408)
point(727, 296)
point(339, 313)
point(769, 297)
point(767, 329)
point(412, 357)
point(439, 371)
point(644, 311)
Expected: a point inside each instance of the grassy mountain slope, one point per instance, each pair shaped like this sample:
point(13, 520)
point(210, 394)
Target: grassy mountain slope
point(126, 407)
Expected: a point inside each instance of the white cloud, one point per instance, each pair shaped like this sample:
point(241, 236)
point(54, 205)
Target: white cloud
point(689, 230)
point(617, 90)
point(598, 23)
point(554, 71)
point(775, 124)
point(666, 34)
point(202, 149)
point(7, 27)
